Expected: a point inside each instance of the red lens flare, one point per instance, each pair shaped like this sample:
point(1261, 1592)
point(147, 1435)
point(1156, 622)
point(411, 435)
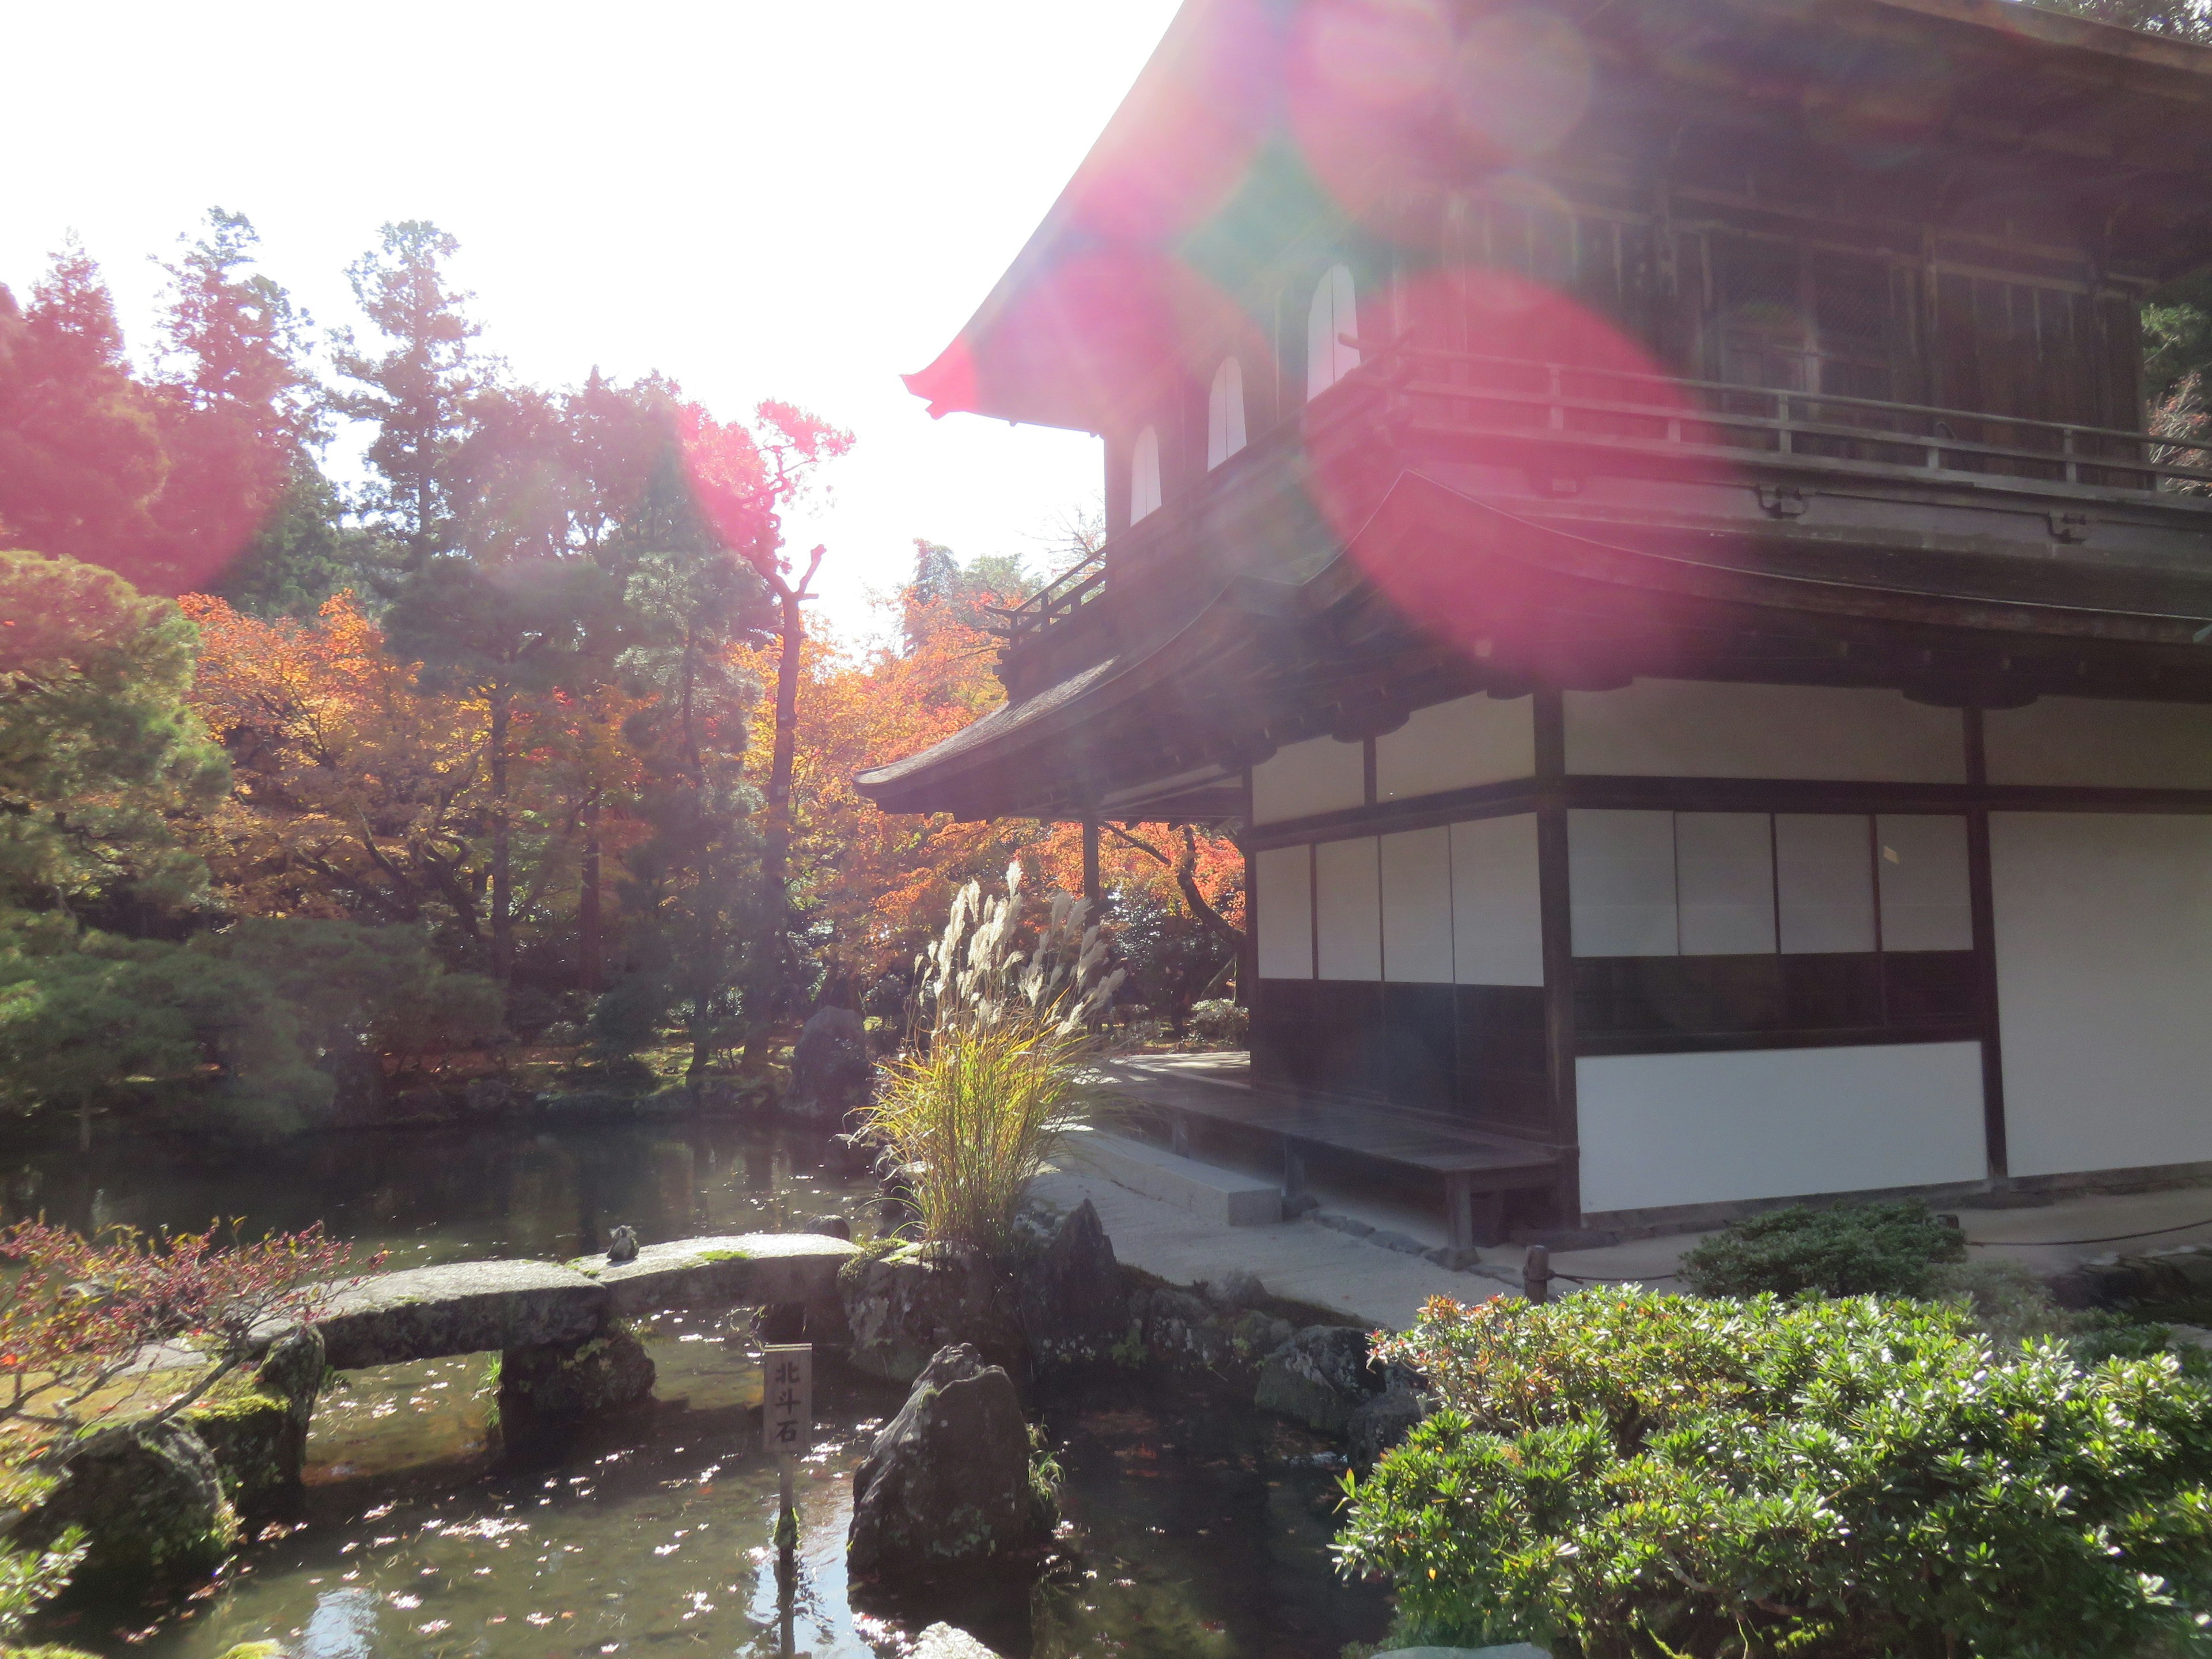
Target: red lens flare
point(1507, 428)
point(1369, 85)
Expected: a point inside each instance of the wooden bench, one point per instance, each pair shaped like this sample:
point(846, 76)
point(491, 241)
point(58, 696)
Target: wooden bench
point(1475, 1170)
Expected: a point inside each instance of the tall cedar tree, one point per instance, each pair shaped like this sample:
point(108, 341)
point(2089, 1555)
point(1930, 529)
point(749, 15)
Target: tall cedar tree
point(419, 388)
point(80, 452)
point(242, 410)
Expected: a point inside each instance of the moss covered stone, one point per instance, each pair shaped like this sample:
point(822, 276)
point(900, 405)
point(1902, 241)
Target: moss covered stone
point(903, 1306)
point(151, 1503)
point(256, 1426)
point(610, 1371)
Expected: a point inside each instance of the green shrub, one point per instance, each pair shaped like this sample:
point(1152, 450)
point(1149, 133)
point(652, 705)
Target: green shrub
point(1854, 1249)
point(1625, 1473)
point(1220, 1021)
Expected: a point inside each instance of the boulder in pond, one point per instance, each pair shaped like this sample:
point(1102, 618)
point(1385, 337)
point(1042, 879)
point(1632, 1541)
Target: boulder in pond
point(948, 1487)
point(1069, 1299)
point(1320, 1376)
point(831, 1069)
point(152, 1506)
point(943, 1641)
point(1381, 1421)
point(255, 1428)
point(902, 1306)
point(553, 1381)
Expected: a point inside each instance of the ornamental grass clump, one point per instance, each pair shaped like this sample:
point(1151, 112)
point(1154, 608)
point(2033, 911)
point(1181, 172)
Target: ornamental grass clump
point(1625, 1473)
point(1004, 1011)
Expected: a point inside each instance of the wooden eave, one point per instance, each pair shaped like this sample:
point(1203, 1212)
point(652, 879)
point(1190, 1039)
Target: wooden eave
point(1260, 662)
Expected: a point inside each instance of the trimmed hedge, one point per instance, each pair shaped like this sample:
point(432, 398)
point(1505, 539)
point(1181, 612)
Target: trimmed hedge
point(1853, 1249)
point(1625, 1473)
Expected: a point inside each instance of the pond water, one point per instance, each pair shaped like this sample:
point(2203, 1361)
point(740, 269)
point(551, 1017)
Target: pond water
point(1194, 1527)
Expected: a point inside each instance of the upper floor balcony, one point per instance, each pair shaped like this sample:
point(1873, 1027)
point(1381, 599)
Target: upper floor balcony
point(1810, 483)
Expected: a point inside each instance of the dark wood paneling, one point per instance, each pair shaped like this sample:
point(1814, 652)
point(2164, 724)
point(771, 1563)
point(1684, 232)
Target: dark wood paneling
point(1323, 1035)
point(1418, 1044)
point(1501, 1075)
point(1630, 1005)
point(1931, 987)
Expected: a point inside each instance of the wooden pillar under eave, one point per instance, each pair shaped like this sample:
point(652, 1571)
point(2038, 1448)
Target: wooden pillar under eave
point(1092, 890)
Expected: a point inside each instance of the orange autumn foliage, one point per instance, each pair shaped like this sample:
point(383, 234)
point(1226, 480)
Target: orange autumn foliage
point(354, 793)
point(878, 884)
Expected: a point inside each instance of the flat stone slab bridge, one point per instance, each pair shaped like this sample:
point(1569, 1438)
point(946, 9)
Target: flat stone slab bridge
point(473, 1307)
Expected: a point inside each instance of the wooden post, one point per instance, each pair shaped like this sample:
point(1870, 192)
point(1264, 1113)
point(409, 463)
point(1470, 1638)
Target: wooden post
point(1537, 1274)
point(786, 1424)
point(1092, 890)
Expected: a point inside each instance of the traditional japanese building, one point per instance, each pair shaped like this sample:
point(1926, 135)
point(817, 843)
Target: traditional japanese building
point(1643, 515)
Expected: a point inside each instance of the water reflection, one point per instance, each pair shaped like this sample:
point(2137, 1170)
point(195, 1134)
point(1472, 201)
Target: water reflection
point(435, 1196)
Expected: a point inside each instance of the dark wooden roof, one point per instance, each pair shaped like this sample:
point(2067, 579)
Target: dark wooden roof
point(2100, 123)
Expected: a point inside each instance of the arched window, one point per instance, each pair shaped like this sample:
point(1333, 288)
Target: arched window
point(1145, 475)
point(1224, 413)
point(1334, 313)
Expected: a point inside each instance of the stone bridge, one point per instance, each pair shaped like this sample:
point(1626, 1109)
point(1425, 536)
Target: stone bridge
point(516, 1306)
point(164, 1498)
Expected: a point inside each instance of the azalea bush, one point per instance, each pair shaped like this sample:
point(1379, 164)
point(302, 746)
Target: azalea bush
point(1005, 1005)
point(1852, 1249)
point(1627, 1473)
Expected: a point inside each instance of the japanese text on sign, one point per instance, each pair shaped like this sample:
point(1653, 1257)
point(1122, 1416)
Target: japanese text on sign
point(788, 1398)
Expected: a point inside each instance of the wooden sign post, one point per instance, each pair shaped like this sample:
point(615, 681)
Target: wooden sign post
point(786, 1426)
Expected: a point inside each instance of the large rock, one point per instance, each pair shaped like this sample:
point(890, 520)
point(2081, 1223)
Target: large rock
point(902, 1307)
point(1070, 1302)
point(1319, 1377)
point(1381, 1421)
point(831, 1070)
point(736, 1270)
point(463, 1307)
point(1183, 1332)
point(152, 1506)
point(947, 1487)
point(609, 1371)
point(257, 1429)
point(943, 1641)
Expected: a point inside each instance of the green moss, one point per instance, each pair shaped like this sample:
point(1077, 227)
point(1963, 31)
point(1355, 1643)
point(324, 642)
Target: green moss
point(253, 1650)
point(55, 1652)
point(726, 1255)
point(232, 1405)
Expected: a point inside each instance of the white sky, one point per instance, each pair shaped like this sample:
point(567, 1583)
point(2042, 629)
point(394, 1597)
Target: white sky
point(796, 200)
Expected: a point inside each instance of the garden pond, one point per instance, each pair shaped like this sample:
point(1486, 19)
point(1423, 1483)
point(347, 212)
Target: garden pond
point(1193, 1527)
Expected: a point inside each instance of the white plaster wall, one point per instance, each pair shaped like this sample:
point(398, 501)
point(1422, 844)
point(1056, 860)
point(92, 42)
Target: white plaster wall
point(1498, 923)
point(2084, 740)
point(2103, 944)
point(1706, 729)
point(1456, 745)
point(1348, 909)
point(1301, 779)
point(1417, 907)
point(1284, 876)
point(1663, 1129)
